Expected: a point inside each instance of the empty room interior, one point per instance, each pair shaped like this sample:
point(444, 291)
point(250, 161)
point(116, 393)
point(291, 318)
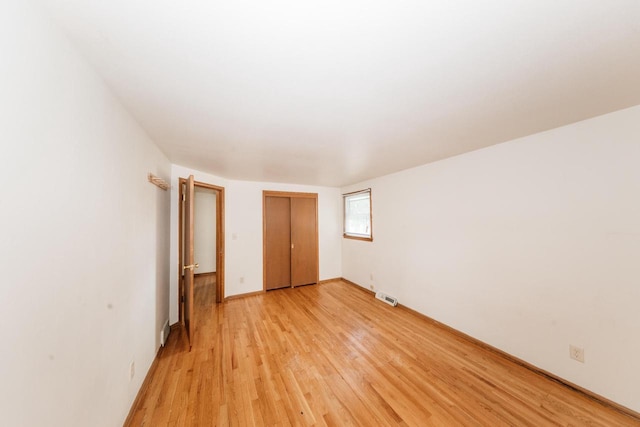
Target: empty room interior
point(420, 213)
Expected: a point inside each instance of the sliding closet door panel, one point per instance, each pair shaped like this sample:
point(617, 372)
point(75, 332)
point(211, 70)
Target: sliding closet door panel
point(277, 242)
point(304, 239)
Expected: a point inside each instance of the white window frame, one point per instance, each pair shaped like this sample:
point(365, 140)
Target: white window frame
point(349, 234)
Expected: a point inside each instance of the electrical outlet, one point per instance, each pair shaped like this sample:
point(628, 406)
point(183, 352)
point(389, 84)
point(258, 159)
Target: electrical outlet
point(132, 370)
point(371, 275)
point(576, 353)
point(242, 280)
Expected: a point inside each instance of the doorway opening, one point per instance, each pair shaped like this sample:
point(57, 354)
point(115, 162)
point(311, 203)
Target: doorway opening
point(207, 247)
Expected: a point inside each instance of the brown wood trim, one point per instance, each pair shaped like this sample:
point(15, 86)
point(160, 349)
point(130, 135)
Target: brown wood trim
point(239, 296)
point(371, 211)
point(211, 273)
point(145, 384)
point(181, 182)
point(366, 239)
point(269, 193)
point(317, 240)
point(205, 185)
point(264, 241)
point(351, 193)
point(322, 282)
point(219, 236)
point(344, 234)
point(349, 282)
point(220, 241)
point(220, 246)
point(588, 393)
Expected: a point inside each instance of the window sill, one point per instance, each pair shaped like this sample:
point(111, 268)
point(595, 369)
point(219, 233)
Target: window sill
point(366, 239)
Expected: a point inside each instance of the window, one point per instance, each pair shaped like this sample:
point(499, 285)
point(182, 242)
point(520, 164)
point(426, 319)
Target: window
point(357, 215)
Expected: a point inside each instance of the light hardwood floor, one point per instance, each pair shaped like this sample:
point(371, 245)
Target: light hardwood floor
point(331, 354)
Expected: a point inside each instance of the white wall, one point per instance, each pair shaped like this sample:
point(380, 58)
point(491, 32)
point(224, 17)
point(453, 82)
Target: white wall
point(243, 236)
point(529, 246)
point(204, 230)
point(84, 239)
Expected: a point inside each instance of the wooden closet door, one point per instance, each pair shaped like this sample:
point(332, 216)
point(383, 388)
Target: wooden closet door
point(304, 241)
point(277, 218)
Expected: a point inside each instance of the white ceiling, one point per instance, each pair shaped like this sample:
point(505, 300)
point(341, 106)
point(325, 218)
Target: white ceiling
point(333, 92)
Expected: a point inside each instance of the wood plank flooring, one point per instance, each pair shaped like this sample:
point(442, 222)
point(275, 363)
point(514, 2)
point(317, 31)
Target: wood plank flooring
point(331, 354)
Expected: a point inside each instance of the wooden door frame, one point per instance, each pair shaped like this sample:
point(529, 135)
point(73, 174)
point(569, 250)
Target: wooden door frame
point(220, 252)
point(268, 193)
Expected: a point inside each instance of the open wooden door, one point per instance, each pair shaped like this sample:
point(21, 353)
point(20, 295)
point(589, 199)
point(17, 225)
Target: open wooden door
point(189, 263)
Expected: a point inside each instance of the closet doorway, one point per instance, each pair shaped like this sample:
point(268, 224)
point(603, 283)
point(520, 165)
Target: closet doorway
point(290, 239)
point(201, 245)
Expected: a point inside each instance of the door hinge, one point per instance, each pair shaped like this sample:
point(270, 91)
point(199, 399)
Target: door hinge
point(181, 298)
point(183, 198)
